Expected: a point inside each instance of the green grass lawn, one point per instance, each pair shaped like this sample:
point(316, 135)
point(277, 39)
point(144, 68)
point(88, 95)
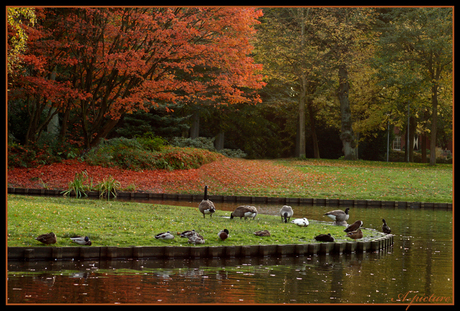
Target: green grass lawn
point(377, 180)
point(113, 223)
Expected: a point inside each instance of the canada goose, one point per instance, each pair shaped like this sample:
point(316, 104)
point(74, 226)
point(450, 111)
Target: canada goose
point(196, 239)
point(385, 227)
point(262, 233)
point(223, 234)
point(164, 236)
point(358, 234)
point(83, 240)
point(244, 211)
point(206, 206)
point(186, 234)
point(47, 238)
point(301, 222)
point(286, 212)
point(324, 238)
point(338, 215)
point(354, 226)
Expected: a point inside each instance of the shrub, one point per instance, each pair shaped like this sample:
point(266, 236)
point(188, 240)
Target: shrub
point(132, 154)
point(208, 144)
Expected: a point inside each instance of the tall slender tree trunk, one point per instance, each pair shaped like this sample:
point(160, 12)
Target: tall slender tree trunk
point(195, 128)
point(314, 137)
point(347, 136)
point(434, 123)
point(302, 146)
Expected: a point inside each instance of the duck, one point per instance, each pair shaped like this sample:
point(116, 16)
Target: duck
point(354, 226)
point(385, 227)
point(245, 211)
point(355, 235)
point(83, 240)
point(324, 238)
point(206, 206)
point(286, 212)
point(47, 238)
point(186, 234)
point(196, 239)
point(164, 236)
point(223, 234)
point(338, 215)
point(262, 233)
point(301, 222)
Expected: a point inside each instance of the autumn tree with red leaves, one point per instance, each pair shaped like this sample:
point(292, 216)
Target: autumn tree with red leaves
point(93, 65)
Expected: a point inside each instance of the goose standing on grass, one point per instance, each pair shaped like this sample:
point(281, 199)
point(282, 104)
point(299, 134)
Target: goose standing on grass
point(206, 206)
point(164, 236)
point(355, 235)
point(47, 238)
point(340, 217)
point(301, 222)
point(83, 240)
point(223, 234)
point(324, 238)
point(245, 211)
point(354, 226)
point(286, 212)
point(385, 227)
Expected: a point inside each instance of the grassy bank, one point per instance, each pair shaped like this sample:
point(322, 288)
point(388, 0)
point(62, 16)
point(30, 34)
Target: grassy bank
point(110, 223)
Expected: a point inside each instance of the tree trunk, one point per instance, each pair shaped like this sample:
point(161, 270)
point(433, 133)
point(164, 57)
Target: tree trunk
point(314, 137)
point(413, 126)
point(434, 121)
point(195, 128)
point(347, 136)
point(301, 133)
point(219, 143)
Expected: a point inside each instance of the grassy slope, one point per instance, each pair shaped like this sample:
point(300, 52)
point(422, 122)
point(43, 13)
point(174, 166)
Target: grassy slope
point(127, 224)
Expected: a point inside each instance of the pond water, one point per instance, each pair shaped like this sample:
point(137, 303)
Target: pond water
point(420, 264)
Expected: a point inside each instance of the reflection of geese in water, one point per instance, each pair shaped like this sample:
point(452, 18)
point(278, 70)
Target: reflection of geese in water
point(46, 279)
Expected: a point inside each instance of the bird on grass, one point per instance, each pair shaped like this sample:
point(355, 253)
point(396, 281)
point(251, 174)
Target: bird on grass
point(245, 211)
point(354, 226)
point(47, 238)
point(385, 227)
point(262, 233)
point(338, 215)
point(164, 236)
point(206, 206)
point(223, 234)
point(196, 239)
point(355, 235)
point(83, 240)
point(324, 238)
point(186, 234)
point(301, 222)
point(285, 213)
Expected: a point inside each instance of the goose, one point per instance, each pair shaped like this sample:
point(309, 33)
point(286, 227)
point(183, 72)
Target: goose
point(223, 234)
point(354, 226)
point(324, 238)
point(196, 239)
point(47, 238)
point(385, 227)
point(164, 236)
point(262, 233)
point(83, 240)
point(244, 211)
point(358, 234)
point(301, 222)
point(338, 215)
point(286, 212)
point(206, 206)
point(186, 234)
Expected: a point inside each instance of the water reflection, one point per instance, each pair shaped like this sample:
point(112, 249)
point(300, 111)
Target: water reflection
point(420, 261)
